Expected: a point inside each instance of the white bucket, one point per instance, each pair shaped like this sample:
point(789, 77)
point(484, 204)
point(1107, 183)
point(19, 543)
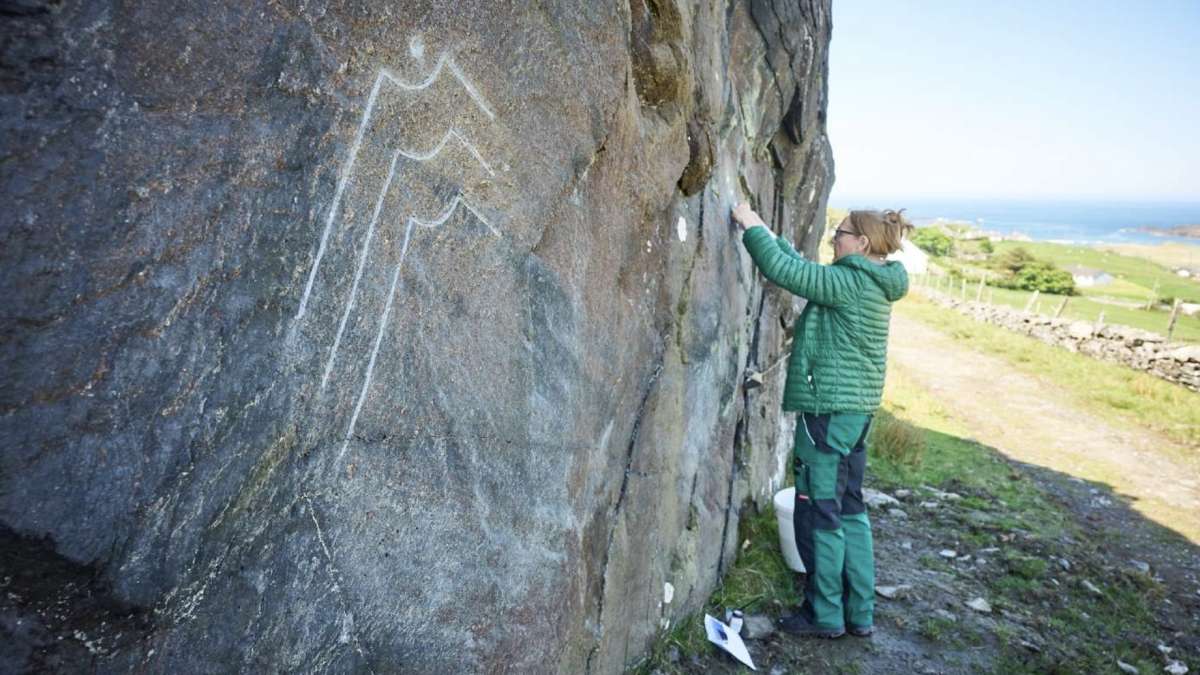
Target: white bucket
point(785, 502)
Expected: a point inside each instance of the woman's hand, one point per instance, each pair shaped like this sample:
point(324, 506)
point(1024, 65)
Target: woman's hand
point(745, 216)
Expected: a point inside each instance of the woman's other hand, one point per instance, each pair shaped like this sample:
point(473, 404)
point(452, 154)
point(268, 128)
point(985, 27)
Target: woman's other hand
point(745, 216)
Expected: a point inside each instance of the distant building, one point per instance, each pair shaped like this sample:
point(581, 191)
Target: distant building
point(1086, 276)
point(910, 255)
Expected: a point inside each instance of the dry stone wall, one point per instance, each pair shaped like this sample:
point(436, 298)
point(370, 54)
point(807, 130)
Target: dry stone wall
point(1138, 349)
point(388, 336)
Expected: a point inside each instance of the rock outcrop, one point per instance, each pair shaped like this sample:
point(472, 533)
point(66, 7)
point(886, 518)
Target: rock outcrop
point(391, 337)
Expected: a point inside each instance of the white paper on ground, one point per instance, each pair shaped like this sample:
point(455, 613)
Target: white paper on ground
point(732, 642)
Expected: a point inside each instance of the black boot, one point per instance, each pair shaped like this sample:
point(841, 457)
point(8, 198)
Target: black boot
point(798, 624)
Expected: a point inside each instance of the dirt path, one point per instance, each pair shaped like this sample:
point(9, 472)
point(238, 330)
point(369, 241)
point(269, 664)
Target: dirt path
point(1031, 420)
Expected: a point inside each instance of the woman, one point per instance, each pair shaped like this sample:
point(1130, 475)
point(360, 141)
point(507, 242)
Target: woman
point(835, 381)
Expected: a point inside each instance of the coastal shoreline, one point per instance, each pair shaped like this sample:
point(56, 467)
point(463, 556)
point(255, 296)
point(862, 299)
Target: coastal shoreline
point(1186, 231)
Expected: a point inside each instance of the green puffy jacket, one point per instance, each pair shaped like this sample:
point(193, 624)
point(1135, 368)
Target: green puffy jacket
point(839, 351)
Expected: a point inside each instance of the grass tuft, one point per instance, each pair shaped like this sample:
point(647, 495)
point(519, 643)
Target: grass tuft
point(897, 440)
point(760, 582)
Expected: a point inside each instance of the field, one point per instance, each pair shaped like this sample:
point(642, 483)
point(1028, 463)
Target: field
point(1140, 274)
point(1137, 282)
point(1171, 255)
point(1089, 305)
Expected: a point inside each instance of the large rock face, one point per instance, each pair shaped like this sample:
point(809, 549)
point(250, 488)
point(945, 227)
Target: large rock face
point(388, 336)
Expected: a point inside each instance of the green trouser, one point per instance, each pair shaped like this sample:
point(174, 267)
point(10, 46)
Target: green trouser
point(833, 533)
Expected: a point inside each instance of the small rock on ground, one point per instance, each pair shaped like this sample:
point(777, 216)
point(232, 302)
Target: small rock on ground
point(980, 605)
point(1176, 668)
point(1126, 668)
point(947, 615)
point(891, 592)
point(876, 499)
point(757, 627)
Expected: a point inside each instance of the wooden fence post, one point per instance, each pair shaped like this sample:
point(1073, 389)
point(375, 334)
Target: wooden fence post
point(962, 293)
point(979, 291)
point(1174, 318)
point(1063, 305)
point(1032, 299)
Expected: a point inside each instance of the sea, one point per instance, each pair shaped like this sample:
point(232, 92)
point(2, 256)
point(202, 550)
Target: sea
point(1077, 222)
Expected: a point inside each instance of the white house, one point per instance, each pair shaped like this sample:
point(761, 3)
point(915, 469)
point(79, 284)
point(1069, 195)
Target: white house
point(1086, 276)
point(910, 255)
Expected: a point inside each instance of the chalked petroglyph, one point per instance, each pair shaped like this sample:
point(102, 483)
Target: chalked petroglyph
point(408, 212)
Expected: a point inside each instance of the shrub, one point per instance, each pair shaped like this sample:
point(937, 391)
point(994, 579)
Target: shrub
point(1013, 260)
point(897, 440)
point(933, 241)
point(1021, 270)
point(986, 247)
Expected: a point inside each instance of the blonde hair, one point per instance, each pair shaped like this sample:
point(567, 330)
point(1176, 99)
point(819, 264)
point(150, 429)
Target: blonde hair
point(883, 229)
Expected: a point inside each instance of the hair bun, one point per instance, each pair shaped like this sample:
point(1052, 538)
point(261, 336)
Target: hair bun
point(895, 219)
point(883, 229)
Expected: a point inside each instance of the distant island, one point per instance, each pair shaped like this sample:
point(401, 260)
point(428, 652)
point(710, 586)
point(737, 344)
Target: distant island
point(1176, 231)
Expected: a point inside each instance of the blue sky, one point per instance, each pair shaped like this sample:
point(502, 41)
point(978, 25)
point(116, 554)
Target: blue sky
point(1018, 99)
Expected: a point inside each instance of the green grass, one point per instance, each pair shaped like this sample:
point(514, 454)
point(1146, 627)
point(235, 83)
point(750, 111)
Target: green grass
point(896, 439)
point(1136, 271)
point(1087, 307)
point(1025, 567)
point(1082, 632)
point(1134, 397)
point(956, 463)
point(1135, 280)
point(759, 581)
point(937, 629)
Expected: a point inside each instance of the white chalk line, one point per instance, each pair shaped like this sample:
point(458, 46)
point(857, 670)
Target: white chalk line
point(387, 309)
point(437, 149)
point(347, 168)
point(362, 263)
point(445, 215)
point(445, 60)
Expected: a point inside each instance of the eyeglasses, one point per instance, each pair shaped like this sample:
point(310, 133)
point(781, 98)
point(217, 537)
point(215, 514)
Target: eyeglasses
point(839, 232)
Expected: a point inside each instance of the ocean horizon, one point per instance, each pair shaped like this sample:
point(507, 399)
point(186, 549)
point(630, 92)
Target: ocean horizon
point(1068, 221)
